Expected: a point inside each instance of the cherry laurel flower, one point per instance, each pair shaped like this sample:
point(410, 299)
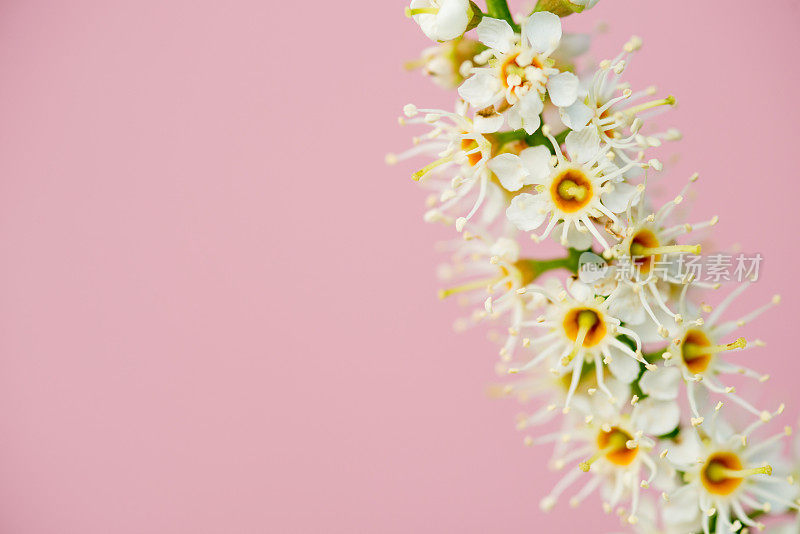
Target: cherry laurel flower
point(695, 357)
point(520, 71)
point(460, 144)
point(613, 448)
point(725, 476)
point(576, 189)
point(610, 107)
point(490, 276)
point(647, 262)
point(580, 331)
point(442, 62)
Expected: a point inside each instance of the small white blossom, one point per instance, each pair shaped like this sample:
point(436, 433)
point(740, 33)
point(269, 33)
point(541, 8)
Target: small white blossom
point(579, 330)
point(726, 476)
point(602, 106)
point(575, 190)
point(488, 275)
point(520, 71)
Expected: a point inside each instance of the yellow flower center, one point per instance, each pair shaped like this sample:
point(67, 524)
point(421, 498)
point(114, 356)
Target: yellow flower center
point(723, 473)
point(586, 323)
point(614, 443)
point(571, 191)
point(696, 359)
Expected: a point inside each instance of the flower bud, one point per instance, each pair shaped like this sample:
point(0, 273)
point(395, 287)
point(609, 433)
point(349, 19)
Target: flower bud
point(442, 20)
point(562, 8)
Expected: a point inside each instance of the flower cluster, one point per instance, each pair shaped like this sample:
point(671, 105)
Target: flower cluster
point(624, 371)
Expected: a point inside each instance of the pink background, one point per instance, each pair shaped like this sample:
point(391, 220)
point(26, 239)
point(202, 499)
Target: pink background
point(218, 305)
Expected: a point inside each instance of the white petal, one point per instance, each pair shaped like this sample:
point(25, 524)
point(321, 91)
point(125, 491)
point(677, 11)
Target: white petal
point(626, 306)
point(426, 21)
point(657, 417)
point(571, 46)
point(582, 146)
point(683, 507)
point(623, 366)
point(489, 124)
point(529, 109)
point(618, 198)
point(452, 19)
point(480, 89)
point(536, 160)
point(663, 383)
point(579, 290)
point(563, 89)
point(509, 170)
point(576, 116)
point(575, 238)
point(543, 31)
point(527, 212)
point(505, 248)
point(495, 33)
point(782, 492)
point(494, 203)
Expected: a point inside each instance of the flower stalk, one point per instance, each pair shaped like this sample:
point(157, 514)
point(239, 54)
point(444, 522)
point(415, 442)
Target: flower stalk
point(622, 348)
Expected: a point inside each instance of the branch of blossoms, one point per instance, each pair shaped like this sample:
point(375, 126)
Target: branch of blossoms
point(624, 371)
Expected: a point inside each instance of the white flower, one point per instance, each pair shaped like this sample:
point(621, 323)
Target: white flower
point(695, 356)
point(573, 191)
point(580, 332)
point(491, 277)
point(520, 70)
point(443, 61)
point(441, 20)
point(459, 173)
point(612, 448)
point(726, 476)
point(647, 259)
point(602, 109)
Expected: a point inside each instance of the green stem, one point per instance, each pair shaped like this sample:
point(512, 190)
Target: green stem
point(570, 263)
point(537, 138)
point(655, 356)
point(498, 9)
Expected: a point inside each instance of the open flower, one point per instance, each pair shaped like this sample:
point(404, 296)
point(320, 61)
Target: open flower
point(520, 71)
point(441, 20)
point(579, 331)
point(612, 446)
point(726, 476)
point(489, 275)
point(696, 356)
point(647, 261)
point(575, 190)
point(610, 108)
point(443, 61)
point(462, 150)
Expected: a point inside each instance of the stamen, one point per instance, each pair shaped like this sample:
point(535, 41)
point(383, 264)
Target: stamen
point(586, 320)
point(469, 286)
point(428, 168)
point(634, 110)
point(637, 249)
point(717, 472)
point(693, 350)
